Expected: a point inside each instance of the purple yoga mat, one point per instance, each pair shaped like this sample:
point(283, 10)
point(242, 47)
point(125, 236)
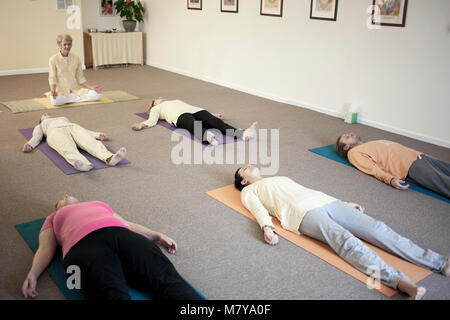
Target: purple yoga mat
point(60, 162)
point(222, 139)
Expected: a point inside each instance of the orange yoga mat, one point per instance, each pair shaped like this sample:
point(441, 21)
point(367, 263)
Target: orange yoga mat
point(231, 197)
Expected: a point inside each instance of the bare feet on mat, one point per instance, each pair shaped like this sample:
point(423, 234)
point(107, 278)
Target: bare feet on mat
point(80, 166)
point(211, 138)
point(117, 157)
point(137, 126)
point(250, 132)
point(446, 270)
point(411, 289)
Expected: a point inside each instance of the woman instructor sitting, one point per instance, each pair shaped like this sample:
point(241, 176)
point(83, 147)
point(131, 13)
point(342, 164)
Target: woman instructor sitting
point(66, 79)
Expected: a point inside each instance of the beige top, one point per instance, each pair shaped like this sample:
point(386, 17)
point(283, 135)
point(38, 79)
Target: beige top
point(46, 126)
point(282, 198)
point(66, 74)
point(169, 111)
point(383, 159)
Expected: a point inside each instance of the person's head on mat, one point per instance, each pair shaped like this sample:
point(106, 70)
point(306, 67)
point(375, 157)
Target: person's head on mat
point(66, 201)
point(345, 142)
point(245, 176)
point(46, 115)
point(64, 42)
point(155, 103)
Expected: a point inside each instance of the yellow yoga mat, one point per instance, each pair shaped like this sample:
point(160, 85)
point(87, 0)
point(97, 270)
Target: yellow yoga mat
point(44, 103)
point(231, 197)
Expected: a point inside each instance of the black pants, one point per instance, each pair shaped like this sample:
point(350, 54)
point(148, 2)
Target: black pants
point(112, 258)
point(209, 121)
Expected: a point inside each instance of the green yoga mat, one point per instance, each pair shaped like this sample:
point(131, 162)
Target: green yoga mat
point(331, 153)
point(30, 233)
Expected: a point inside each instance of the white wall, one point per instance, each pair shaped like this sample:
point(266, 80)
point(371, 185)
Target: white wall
point(399, 76)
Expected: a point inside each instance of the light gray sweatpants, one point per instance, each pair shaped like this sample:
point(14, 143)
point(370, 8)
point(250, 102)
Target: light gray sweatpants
point(340, 225)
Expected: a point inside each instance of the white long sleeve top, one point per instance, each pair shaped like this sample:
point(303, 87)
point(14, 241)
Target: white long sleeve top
point(169, 111)
point(46, 126)
point(282, 198)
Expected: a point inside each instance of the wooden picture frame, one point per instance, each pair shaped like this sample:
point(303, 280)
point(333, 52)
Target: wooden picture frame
point(194, 4)
point(272, 8)
point(107, 8)
point(324, 10)
point(391, 13)
point(229, 6)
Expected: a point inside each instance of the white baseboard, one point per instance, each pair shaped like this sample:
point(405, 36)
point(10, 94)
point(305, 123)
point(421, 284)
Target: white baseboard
point(323, 110)
point(27, 71)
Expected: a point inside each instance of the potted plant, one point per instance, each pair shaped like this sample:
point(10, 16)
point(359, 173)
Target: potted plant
point(132, 11)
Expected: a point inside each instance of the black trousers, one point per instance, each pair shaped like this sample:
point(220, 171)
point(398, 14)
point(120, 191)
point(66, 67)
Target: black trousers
point(112, 258)
point(209, 121)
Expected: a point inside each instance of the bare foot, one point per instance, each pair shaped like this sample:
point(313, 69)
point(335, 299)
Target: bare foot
point(116, 158)
point(250, 132)
point(446, 270)
point(80, 166)
point(411, 289)
point(211, 138)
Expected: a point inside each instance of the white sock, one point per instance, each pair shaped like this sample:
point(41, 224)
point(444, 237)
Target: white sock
point(116, 158)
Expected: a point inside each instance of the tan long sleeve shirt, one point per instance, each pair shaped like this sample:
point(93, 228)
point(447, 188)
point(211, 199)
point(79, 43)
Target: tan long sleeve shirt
point(67, 75)
point(282, 198)
point(383, 159)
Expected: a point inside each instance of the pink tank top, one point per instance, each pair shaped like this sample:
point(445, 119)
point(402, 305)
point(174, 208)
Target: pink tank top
point(73, 222)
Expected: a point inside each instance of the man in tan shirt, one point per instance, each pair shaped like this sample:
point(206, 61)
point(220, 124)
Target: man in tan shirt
point(392, 163)
point(66, 79)
point(339, 224)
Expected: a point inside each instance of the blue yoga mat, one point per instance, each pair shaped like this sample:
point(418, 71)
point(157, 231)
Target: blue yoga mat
point(30, 233)
point(331, 153)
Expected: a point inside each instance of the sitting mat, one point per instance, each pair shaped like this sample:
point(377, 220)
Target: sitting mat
point(331, 153)
point(30, 233)
point(61, 163)
point(231, 197)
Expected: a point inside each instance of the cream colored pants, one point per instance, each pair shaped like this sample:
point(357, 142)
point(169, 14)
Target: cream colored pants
point(91, 95)
point(66, 139)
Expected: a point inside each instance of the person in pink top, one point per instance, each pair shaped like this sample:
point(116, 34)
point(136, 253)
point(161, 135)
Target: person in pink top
point(392, 163)
point(110, 253)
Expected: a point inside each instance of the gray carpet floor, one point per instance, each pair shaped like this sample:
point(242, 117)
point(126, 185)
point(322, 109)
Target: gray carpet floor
point(222, 253)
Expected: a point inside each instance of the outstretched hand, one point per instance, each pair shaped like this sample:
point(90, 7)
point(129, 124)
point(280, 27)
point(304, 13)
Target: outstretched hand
point(356, 206)
point(103, 137)
point(270, 237)
point(398, 184)
point(168, 243)
point(137, 126)
point(219, 115)
point(27, 148)
point(29, 287)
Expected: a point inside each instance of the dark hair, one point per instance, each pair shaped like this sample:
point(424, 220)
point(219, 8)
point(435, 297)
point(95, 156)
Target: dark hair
point(340, 147)
point(238, 180)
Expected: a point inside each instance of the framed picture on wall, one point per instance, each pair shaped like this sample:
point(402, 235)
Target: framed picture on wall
point(390, 13)
point(229, 5)
point(107, 8)
point(272, 8)
point(324, 10)
point(194, 4)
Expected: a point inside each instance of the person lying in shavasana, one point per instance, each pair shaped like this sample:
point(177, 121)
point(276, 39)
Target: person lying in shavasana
point(64, 137)
point(110, 252)
point(182, 115)
point(392, 162)
point(336, 223)
point(66, 78)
